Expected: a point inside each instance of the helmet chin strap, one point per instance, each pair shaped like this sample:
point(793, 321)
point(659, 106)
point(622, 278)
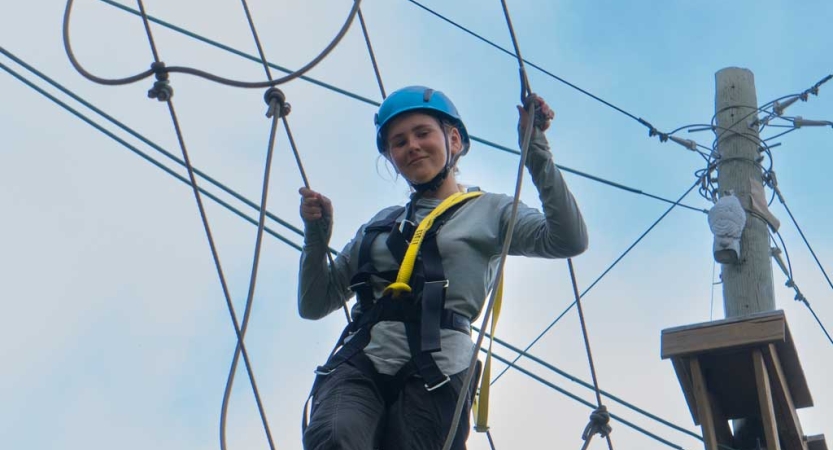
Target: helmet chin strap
point(438, 180)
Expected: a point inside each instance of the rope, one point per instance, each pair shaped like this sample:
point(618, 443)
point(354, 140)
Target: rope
point(368, 101)
point(165, 96)
point(159, 165)
point(531, 64)
point(593, 177)
point(199, 73)
point(585, 402)
point(527, 137)
point(152, 144)
point(587, 385)
point(273, 100)
point(489, 437)
point(372, 55)
point(300, 164)
point(801, 233)
point(257, 39)
point(148, 158)
point(214, 254)
point(600, 417)
point(599, 278)
point(799, 296)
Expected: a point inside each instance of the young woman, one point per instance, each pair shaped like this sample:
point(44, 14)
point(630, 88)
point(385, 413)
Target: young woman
point(398, 370)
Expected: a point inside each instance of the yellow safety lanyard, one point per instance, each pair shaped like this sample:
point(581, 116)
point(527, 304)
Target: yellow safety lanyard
point(407, 268)
point(481, 399)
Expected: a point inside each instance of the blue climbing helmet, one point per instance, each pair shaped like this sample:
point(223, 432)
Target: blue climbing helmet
point(418, 98)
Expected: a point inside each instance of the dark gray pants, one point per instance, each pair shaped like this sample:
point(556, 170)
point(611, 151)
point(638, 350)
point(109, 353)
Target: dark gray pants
point(350, 412)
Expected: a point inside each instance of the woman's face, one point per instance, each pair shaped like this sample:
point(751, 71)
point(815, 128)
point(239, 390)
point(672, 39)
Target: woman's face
point(416, 146)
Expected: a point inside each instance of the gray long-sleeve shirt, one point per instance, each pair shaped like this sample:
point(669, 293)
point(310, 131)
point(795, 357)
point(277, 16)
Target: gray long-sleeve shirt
point(470, 243)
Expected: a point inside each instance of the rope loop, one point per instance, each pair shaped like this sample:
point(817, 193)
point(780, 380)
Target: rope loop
point(161, 89)
point(599, 424)
point(276, 100)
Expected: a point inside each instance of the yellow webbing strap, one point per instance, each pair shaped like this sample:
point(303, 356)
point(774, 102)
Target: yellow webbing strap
point(406, 269)
point(481, 399)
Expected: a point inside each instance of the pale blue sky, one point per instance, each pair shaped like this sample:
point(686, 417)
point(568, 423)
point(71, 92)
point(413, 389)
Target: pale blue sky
point(117, 332)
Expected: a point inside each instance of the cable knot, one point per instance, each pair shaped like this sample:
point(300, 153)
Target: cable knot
point(599, 424)
point(276, 100)
point(161, 89)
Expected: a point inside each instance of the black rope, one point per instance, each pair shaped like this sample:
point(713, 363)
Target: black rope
point(600, 417)
point(528, 130)
point(593, 177)
point(150, 143)
point(149, 159)
point(580, 382)
point(489, 437)
point(599, 278)
point(799, 296)
point(275, 102)
point(257, 39)
point(206, 193)
point(584, 402)
point(826, 333)
point(804, 238)
point(372, 54)
point(368, 101)
point(303, 172)
point(240, 330)
point(147, 29)
point(202, 74)
point(531, 64)
point(526, 89)
point(237, 329)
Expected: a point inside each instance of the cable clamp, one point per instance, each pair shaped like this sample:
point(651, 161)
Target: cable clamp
point(161, 89)
point(276, 100)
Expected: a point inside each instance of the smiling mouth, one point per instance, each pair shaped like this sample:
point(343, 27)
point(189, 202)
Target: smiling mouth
point(417, 160)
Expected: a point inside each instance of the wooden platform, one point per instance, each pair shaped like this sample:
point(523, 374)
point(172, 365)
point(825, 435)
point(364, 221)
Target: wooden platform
point(739, 368)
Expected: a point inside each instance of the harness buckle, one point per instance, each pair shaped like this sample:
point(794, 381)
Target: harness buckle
point(438, 385)
point(444, 283)
point(323, 371)
point(353, 287)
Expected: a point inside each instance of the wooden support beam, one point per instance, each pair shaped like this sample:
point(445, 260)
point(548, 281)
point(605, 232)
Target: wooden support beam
point(816, 442)
point(721, 423)
point(704, 408)
point(724, 334)
point(789, 425)
point(765, 400)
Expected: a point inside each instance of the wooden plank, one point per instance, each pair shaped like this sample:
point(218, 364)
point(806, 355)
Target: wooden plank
point(756, 329)
point(682, 367)
point(794, 373)
point(765, 401)
point(816, 442)
point(704, 409)
point(721, 424)
point(789, 427)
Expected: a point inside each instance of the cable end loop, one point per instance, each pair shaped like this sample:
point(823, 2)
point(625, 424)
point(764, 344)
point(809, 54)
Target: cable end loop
point(276, 100)
point(599, 424)
point(161, 89)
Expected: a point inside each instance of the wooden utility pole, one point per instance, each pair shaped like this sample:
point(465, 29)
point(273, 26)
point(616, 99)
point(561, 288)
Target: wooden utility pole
point(743, 368)
point(747, 286)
